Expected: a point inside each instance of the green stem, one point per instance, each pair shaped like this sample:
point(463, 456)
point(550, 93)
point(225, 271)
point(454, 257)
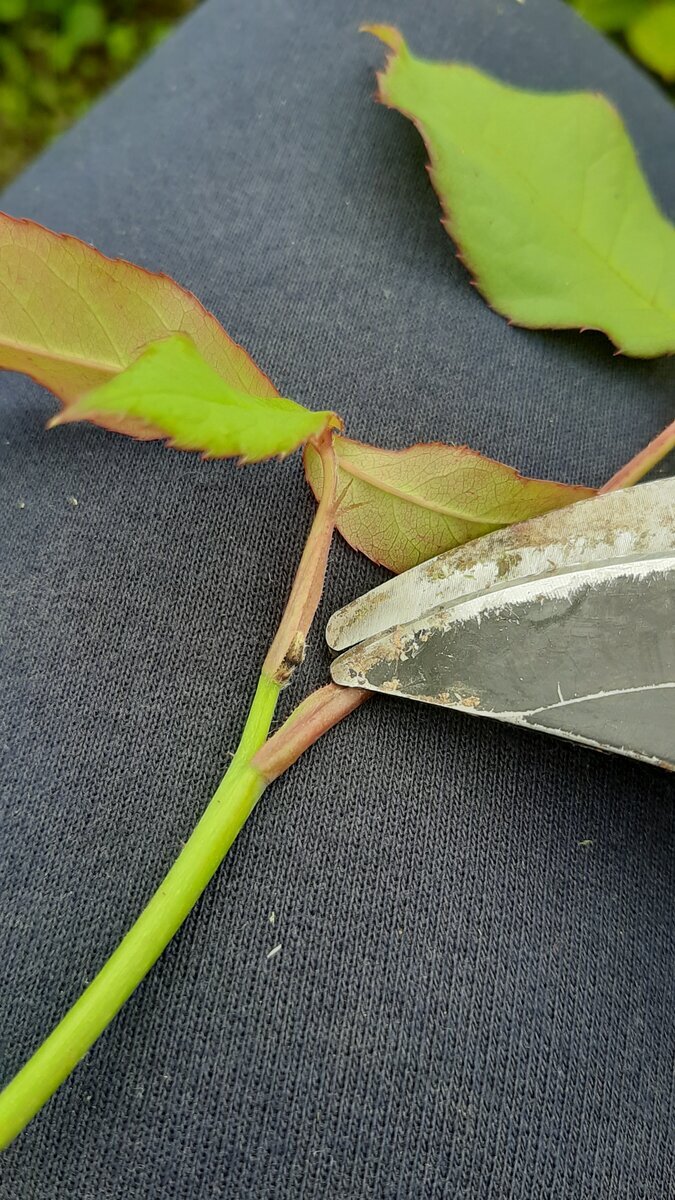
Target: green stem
point(237, 795)
point(232, 803)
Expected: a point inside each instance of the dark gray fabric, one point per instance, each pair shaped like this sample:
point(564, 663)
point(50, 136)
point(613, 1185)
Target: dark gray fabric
point(474, 994)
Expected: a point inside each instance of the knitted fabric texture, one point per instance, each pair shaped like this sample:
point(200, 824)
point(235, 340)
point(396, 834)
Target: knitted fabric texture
point(474, 995)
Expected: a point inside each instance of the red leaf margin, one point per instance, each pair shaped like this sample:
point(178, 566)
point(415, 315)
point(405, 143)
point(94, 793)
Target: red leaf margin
point(189, 315)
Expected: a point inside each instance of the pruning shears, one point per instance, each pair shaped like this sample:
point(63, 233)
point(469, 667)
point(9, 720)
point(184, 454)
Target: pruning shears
point(563, 623)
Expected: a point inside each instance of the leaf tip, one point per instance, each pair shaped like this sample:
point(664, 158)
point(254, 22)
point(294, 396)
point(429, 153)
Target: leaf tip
point(62, 417)
point(388, 34)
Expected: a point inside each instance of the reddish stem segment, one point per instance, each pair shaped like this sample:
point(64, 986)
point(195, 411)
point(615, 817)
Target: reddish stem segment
point(639, 466)
point(329, 705)
point(306, 724)
point(287, 649)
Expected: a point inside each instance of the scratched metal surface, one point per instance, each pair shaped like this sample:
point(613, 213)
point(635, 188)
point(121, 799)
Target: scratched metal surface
point(619, 524)
point(587, 654)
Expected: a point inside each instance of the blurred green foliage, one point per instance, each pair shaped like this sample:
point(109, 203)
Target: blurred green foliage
point(56, 55)
point(646, 28)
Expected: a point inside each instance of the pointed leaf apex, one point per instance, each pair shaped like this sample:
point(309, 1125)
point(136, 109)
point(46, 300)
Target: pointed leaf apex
point(171, 392)
point(388, 34)
point(555, 173)
point(60, 418)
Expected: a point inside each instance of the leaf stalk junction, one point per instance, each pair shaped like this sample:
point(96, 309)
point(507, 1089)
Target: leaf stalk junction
point(256, 763)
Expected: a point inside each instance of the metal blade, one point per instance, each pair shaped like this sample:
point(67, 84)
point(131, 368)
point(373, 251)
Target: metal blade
point(639, 520)
point(587, 654)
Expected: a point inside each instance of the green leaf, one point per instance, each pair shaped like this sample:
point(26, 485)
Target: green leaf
point(544, 196)
point(13, 10)
point(73, 319)
point(652, 39)
point(171, 392)
point(610, 16)
point(122, 43)
point(84, 25)
point(401, 507)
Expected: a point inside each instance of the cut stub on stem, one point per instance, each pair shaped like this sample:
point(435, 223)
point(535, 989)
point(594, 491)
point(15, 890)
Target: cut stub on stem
point(294, 657)
point(287, 649)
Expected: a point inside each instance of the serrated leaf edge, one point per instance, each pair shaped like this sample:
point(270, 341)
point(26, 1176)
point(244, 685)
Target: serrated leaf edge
point(391, 37)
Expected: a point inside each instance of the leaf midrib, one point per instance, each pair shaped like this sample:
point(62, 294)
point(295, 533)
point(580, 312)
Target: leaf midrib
point(574, 231)
point(350, 468)
point(54, 356)
point(247, 408)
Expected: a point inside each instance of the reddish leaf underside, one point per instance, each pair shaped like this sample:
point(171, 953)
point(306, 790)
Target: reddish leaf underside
point(174, 393)
point(72, 318)
point(401, 507)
